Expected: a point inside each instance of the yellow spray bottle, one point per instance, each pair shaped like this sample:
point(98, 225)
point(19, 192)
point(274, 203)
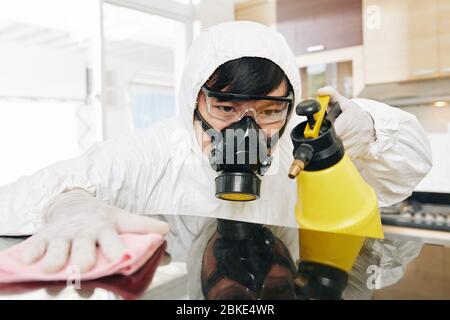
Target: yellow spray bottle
point(336, 209)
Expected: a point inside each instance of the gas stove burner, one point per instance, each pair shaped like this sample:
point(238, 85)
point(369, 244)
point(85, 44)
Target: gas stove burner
point(414, 214)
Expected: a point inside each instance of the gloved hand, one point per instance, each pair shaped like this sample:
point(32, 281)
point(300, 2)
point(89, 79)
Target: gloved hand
point(75, 222)
point(354, 125)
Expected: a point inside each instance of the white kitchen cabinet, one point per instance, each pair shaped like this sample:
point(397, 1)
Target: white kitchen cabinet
point(443, 11)
point(257, 10)
point(400, 40)
point(422, 42)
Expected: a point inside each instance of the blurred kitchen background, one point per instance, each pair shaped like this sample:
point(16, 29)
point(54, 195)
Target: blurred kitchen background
point(73, 72)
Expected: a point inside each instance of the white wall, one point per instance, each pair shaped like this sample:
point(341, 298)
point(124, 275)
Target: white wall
point(28, 71)
point(436, 122)
point(34, 135)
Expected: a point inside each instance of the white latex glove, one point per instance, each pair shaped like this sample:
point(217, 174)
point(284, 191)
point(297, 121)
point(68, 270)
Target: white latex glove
point(75, 222)
point(354, 125)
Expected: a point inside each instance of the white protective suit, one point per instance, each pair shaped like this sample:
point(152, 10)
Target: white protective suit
point(160, 170)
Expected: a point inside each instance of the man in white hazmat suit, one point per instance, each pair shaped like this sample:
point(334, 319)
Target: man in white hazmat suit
point(161, 171)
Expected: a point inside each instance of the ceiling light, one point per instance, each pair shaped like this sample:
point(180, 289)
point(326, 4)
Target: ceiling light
point(440, 104)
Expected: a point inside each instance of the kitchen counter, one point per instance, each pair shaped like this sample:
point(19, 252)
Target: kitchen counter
point(421, 235)
point(157, 279)
point(161, 280)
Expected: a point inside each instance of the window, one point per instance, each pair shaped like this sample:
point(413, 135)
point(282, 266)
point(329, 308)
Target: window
point(150, 104)
point(47, 69)
point(140, 58)
point(73, 72)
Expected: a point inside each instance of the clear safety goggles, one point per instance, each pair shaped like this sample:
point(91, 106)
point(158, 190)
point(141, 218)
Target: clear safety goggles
point(231, 107)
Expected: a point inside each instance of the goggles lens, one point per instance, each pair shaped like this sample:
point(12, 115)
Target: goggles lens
point(229, 107)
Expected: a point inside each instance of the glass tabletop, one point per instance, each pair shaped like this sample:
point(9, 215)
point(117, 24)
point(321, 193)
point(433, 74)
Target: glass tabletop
point(158, 278)
point(274, 263)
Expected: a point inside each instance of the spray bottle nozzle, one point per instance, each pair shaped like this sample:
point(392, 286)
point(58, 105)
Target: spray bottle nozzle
point(302, 156)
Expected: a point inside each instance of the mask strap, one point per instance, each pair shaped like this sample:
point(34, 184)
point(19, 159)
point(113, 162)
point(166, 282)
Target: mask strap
point(205, 125)
point(271, 141)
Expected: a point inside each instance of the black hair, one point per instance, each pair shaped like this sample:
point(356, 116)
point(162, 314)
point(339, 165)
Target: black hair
point(248, 75)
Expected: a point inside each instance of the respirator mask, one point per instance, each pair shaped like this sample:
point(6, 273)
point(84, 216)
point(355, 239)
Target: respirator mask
point(241, 151)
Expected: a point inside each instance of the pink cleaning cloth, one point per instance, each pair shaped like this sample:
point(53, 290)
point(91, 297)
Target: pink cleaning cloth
point(138, 249)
